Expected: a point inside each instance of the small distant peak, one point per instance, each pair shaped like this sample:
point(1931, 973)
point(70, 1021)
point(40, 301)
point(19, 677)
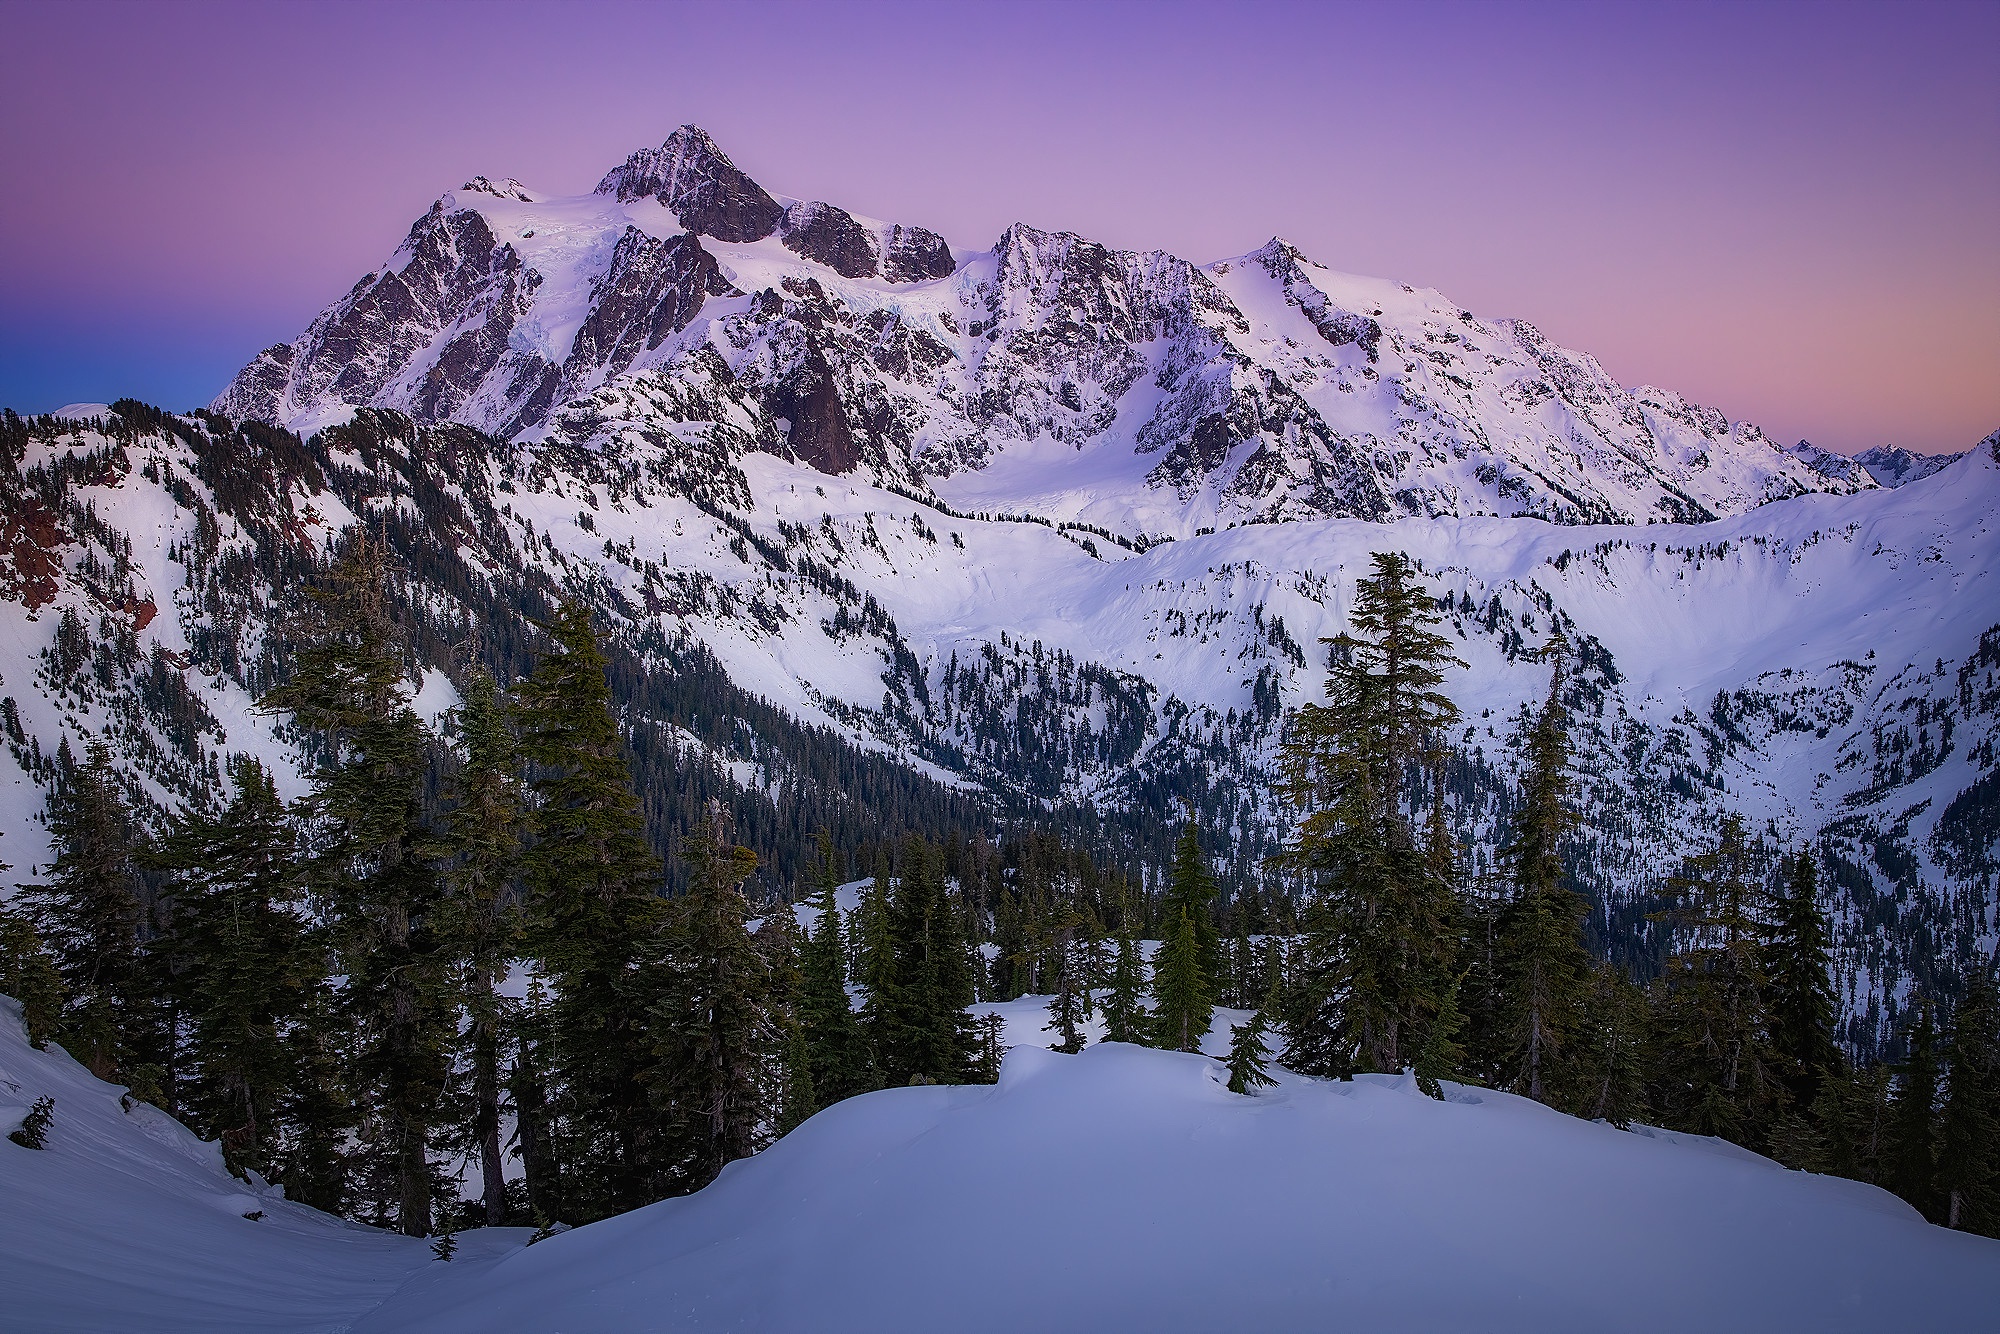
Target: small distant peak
point(505, 189)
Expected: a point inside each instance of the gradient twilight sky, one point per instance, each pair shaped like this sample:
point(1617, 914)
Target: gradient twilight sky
point(1788, 211)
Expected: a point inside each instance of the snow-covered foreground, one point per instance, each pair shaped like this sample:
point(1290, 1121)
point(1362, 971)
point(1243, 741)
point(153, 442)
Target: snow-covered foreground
point(1122, 1189)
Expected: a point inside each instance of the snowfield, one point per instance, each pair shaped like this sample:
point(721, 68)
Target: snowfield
point(1121, 1189)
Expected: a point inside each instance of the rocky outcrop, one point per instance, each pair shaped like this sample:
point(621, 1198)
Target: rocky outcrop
point(698, 182)
point(652, 289)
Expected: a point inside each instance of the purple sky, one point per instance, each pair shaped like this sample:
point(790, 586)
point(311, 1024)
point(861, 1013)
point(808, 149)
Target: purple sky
point(1787, 211)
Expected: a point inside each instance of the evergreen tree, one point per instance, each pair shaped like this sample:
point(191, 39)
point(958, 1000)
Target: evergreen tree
point(245, 960)
point(1715, 1069)
point(480, 917)
point(1851, 1115)
point(1969, 1136)
point(1543, 967)
point(1191, 890)
point(836, 1052)
point(1249, 1061)
point(1613, 1041)
point(1803, 1009)
point(716, 1033)
point(592, 907)
point(1124, 1009)
point(1183, 1006)
point(1069, 1004)
point(919, 1020)
point(1442, 1055)
point(1913, 1120)
point(88, 916)
point(796, 1098)
point(986, 1064)
point(28, 974)
point(1380, 933)
point(372, 866)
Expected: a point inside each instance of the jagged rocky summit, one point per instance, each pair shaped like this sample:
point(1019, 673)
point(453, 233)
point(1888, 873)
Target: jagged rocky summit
point(1048, 374)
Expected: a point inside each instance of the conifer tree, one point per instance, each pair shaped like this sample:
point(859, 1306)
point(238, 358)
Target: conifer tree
point(1442, 1055)
point(836, 1051)
point(714, 1028)
point(1124, 1008)
point(1183, 1006)
point(1613, 1041)
point(480, 917)
point(1069, 1004)
point(593, 905)
point(1249, 1060)
point(1542, 964)
point(1969, 1134)
point(28, 974)
point(1380, 935)
point(796, 1096)
point(1851, 1116)
point(89, 918)
point(986, 1061)
point(246, 962)
point(1803, 1009)
point(372, 863)
point(1913, 1120)
point(919, 1021)
point(1716, 1070)
point(1191, 890)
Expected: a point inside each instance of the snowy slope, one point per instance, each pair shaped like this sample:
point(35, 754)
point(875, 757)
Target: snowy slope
point(1047, 374)
point(1126, 1189)
point(126, 1221)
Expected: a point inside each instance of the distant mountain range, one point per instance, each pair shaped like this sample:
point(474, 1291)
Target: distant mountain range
point(890, 533)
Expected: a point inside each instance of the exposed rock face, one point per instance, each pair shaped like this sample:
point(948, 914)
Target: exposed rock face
point(652, 290)
point(705, 190)
point(831, 236)
point(914, 254)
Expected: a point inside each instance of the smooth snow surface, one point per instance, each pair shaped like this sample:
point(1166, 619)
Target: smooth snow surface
point(1122, 1189)
point(1127, 1189)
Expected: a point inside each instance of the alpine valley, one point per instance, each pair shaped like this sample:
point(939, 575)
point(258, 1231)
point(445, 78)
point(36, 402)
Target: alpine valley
point(890, 531)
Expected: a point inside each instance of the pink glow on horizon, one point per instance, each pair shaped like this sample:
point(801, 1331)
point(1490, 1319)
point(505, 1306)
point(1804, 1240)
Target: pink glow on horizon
point(1786, 211)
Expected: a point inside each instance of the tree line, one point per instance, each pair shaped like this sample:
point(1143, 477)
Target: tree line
point(360, 991)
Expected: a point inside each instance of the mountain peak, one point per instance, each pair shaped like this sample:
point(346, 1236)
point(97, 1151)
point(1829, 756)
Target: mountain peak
point(696, 180)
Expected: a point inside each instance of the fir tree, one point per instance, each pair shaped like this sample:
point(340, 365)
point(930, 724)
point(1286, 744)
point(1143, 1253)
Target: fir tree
point(1380, 932)
point(1249, 1061)
point(1441, 1055)
point(1913, 1120)
point(714, 1028)
point(480, 917)
point(1969, 1134)
point(245, 962)
point(836, 1052)
point(1183, 1006)
point(796, 1097)
point(1613, 1043)
point(986, 1063)
point(1069, 1004)
point(372, 864)
point(919, 1020)
point(1124, 1007)
point(88, 916)
point(1191, 890)
point(593, 905)
point(1803, 1009)
point(1542, 965)
point(28, 974)
point(1716, 1071)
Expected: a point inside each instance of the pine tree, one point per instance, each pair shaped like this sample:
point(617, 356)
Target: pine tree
point(28, 974)
point(480, 917)
point(1442, 1055)
point(1803, 1009)
point(835, 1049)
point(246, 963)
point(796, 1096)
point(1183, 1006)
point(1851, 1114)
point(593, 906)
point(1969, 1134)
point(1191, 890)
point(1913, 1120)
point(1542, 963)
point(986, 1061)
point(1069, 1004)
point(918, 1018)
point(372, 863)
point(1716, 1069)
point(89, 918)
point(715, 1032)
point(1381, 932)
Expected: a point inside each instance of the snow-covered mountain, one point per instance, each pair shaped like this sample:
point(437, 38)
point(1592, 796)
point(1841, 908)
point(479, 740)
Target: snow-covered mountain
point(1123, 1188)
point(1050, 374)
point(1890, 466)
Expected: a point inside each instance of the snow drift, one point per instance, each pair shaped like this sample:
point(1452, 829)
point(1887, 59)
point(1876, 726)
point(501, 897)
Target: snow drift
point(1127, 1189)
